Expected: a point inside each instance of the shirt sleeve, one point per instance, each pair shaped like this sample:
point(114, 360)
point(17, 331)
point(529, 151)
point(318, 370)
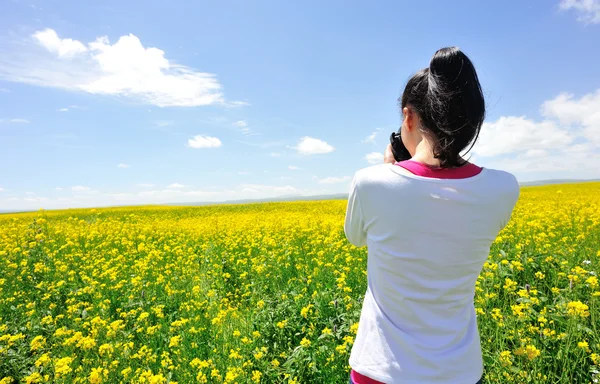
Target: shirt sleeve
point(354, 224)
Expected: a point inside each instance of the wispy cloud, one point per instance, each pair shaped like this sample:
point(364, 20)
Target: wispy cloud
point(264, 145)
point(1, 189)
point(312, 146)
point(175, 186)
point(588, 10)
point(125, 68)
point(165, 195)
point(145, 185)
point(80, 188)
point(14, 121)
point(371, 138)
point(5, 90)
point(67, 109)
point(374, 157)
point(242, 126)
point(200, 141)
point(122, 165)
point(334, 180)
point(164, 123)
point(294, 168)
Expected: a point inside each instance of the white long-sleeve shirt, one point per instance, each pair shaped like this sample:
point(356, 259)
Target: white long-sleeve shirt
point(427, 242)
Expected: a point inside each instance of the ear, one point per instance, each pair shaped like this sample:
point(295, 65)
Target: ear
point(409, 118)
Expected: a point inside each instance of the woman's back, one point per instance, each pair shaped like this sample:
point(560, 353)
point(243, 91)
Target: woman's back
point(428, 239)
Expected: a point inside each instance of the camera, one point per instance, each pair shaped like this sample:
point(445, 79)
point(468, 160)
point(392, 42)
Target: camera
point(398, 149)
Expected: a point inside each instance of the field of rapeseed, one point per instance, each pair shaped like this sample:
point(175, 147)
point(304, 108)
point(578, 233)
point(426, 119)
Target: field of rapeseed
point(271, 293)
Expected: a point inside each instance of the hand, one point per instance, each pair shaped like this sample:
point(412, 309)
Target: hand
point(388, 157)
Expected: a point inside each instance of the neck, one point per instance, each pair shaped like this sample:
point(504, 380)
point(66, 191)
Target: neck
point(424, 154)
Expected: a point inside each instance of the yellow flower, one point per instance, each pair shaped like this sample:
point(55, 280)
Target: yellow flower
point(577, 308)
point(38, 342)
point(305, 311)
point(175, 341)
point(509, 285)
point(584, 345)
point(275, 363)
point(97, 375)
point(282, 324)
point(43, 360)
point(256, 375)
point(530, 351)
point(505, 358)
point(326, 331)
point(305, 342)
point(63, 366)
point(35, 377)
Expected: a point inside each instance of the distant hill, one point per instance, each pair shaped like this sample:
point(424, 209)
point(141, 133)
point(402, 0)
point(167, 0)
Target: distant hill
point(337, 196)
point(556, 181)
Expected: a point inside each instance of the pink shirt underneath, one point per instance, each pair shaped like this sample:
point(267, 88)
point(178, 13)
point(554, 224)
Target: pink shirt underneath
point(420, 169)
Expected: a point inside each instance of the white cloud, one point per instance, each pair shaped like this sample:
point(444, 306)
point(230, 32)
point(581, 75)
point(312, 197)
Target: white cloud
point(511, 134)
point(244, 173)
point(294, 168)
point(175, 186)
point(124, 68)
point(62, 47)
point(1, 189)
point(59, 188)
point(588, 10)
point(80, 188)
point(145, 185)
point(564, 144)
point(4, 90)
point(584, 112)
point(63, 110)
point(312, 146)
point(164, 123)
point(374, 157)
point(14, 121)
point(200, 141)
point(334, 180)
point(121, 165)
point(240, 124)
point(275, 154)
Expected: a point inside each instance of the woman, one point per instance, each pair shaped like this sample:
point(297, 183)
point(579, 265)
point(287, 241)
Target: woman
point(428, 223)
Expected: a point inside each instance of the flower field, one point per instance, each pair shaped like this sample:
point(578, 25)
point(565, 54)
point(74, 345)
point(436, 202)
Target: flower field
point(271, 293)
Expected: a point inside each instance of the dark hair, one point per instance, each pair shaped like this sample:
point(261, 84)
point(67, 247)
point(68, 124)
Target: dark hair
point(447, 97)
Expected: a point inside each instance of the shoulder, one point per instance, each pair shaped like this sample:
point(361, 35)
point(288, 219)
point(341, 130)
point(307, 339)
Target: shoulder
point(503, 181)
point(375, 174)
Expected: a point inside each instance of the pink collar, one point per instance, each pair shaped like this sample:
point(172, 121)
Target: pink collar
point(420, 169)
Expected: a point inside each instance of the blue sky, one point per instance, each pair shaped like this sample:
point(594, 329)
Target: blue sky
point(149, 102)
